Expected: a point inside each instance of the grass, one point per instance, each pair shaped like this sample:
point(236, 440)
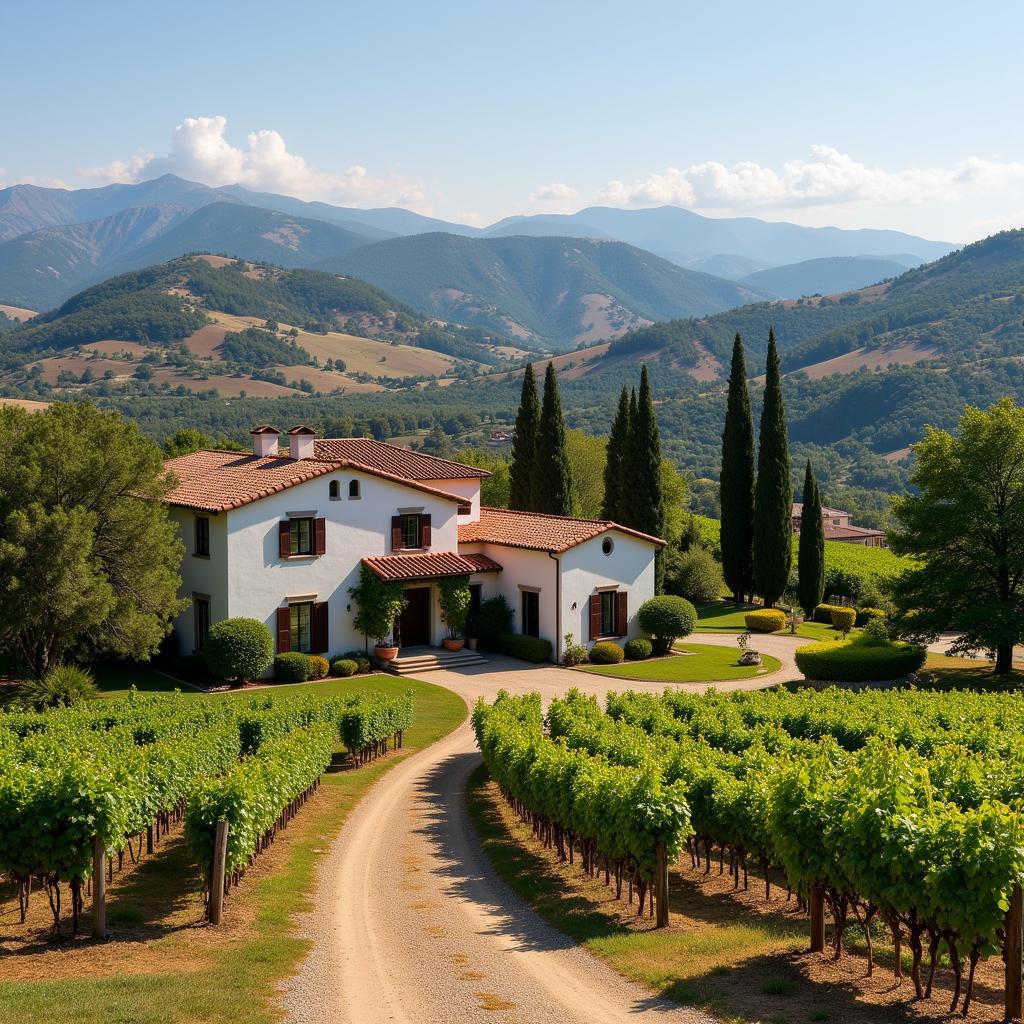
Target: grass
point(196, 973)
point(700, 663)
point(725, 617)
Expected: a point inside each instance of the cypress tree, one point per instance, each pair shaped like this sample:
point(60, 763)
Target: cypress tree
point(552, 475)
point(773, 492)
point(811, 553)
point(616, 482)
point(645, 482)
point(524, 445)
point(736, 483)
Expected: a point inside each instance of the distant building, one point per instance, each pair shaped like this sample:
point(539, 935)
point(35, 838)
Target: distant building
point(839, 526)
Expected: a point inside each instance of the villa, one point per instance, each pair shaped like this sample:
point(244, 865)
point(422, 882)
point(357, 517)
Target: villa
point(280, 535)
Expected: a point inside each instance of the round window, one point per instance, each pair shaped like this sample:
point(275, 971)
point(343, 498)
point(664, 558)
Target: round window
point(607, 545)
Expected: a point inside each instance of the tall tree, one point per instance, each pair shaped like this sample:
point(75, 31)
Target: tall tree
point(811, 553)
point(552, 487)
point(524, 445)
point(89, 557)
point(773, 492)
point(645, 481)
point(615, 480)
point(965, 528)
point(736, 483)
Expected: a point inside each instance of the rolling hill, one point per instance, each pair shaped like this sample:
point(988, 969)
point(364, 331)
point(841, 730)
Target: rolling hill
point(826, 276)
point(562, 291)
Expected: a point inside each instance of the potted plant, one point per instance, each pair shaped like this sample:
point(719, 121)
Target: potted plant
point(454, 598)
point(379, 604)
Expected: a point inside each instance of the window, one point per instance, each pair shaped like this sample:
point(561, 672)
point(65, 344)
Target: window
point(353, 488)
point(411, 531)
point(608, 624)
point(531, 613)
point(334, 490)
point(301, 638)
point(201, 620)
point(202, 545)
point(301, 537)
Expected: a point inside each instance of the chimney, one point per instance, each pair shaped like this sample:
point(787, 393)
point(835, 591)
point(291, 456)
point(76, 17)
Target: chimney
point(264, 441)
point(300, 442)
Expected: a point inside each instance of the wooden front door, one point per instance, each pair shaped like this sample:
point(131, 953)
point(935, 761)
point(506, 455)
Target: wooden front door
point(414, 623)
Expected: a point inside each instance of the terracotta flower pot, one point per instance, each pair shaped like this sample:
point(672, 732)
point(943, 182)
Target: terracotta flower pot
point(385, 653)
point(452, 645)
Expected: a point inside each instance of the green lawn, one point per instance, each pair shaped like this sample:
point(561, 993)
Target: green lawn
point(702, 662)
point(725, 617)
point(193, 973)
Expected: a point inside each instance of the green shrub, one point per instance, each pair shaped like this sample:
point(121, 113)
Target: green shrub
point(572, 652)
point(344, 667)
point(361, 658)
point(528, 648)
point(318, 667)
point(238, 648)
point(638, 649)
point(765, 620)
point(606, 652)
point(292, 667)
point(865, 615)
point(843, 618)
point(849, 661)
point(823, 613)
point(61, 687)
point(694, 574)
point(667, 618)
point(490, 622)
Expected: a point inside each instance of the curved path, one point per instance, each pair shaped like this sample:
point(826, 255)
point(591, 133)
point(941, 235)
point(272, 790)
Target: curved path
point(414, 927)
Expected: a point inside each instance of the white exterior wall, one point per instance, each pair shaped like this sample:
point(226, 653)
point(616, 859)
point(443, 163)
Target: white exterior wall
point(207, 576)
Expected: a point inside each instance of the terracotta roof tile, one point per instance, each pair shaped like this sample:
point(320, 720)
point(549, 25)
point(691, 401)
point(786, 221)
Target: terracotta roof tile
point(215, 481)
point(399, 461)
point(429, 565)
point(539, 532)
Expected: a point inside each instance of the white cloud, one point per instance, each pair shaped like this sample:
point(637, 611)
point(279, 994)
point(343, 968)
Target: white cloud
point(200, 151)
point(828, 177)
point(556, 192)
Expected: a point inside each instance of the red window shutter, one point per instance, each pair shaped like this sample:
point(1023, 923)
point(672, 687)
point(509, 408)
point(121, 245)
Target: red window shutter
point(621, 613)
point(284, 538)
point(319, 628)
point(319, 536)
point(396, 533)
point(595, 616)
point(284, 630)
point(425, 531)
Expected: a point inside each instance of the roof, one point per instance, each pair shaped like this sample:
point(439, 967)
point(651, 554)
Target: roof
point(399, 461)
point(538, 531)
point(850, 532)
point(216, 481)
point(798, 510)
point(429, 565)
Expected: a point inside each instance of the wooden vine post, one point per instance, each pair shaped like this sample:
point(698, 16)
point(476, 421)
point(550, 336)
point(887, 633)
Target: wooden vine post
point(817, 908)
point(661, 883)
point(220, 857)
point(1015, 955)
point(99, 889)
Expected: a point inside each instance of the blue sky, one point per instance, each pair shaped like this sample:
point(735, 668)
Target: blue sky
point(900, 114)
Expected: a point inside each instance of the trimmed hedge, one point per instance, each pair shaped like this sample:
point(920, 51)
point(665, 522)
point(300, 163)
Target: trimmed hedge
point(638, 649)
point(847, 661)
point(844, 618)
point(292, 667)
point(606, 652)
point(527, 648)
point(344, 667)
point(767, 620)
point(318, 666)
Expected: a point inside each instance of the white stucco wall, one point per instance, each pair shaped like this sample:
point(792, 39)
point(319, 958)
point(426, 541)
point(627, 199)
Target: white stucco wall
point(208, 576)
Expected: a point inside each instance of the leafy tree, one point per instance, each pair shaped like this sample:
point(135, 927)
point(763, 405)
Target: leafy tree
point(773, 492)
point(616, 482)
point(524, 445)
point(552, 485)
point(736, 483)
point(811, 550)
point(966, 528)
point(89, 557)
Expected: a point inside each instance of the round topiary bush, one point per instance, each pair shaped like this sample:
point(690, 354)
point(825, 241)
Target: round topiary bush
point(848, 661)
point(344, 667)
point(843, 618)
point(667, 618)
point(638, 649)
point(238, 648)
point(765, 620)
point(606, 652)
point(61, 687)
point(292, 667)
point(318, 667)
